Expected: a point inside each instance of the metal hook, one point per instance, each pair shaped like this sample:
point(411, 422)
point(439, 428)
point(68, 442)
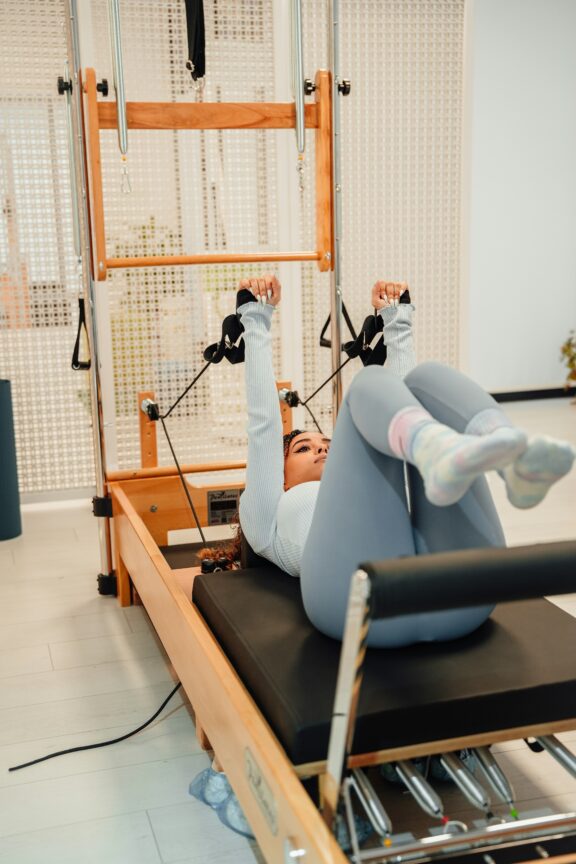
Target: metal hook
point(125, 183)
point(197, 83)
point(300, 170)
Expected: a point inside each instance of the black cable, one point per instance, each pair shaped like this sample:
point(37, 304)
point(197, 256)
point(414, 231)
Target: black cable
point(182, 395)
point(102, 743)
point(183, 481)
point(313, 418)
point(327, 380)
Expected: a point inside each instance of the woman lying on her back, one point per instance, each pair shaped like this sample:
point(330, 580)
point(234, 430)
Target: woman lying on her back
point(443, 425)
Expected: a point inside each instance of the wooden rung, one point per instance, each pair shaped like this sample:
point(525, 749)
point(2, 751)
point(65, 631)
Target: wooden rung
point(214, 258)
point(207, 115)
point(171, 471)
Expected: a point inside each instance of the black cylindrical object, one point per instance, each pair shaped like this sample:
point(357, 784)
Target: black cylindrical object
point(10, 521)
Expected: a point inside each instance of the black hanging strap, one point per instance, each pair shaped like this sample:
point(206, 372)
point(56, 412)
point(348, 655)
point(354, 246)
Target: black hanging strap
point(76, 362)
point(327, 343)
point(196, 62)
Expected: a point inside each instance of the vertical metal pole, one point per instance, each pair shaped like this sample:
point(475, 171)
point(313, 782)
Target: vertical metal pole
point(298, 74)
point(350, 673)
point(79, 187)
point(118, 73)
point(335, 273)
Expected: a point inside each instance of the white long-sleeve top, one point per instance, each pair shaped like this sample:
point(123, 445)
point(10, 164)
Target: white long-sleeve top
point(276, 522)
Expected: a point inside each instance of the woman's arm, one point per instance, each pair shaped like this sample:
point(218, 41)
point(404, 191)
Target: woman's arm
point(397, 317)
point(265, 462)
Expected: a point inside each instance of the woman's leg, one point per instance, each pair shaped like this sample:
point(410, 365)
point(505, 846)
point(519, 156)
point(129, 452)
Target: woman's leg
point(461, 403)
point(361, 509)
point(458, 402)
point(360, 514)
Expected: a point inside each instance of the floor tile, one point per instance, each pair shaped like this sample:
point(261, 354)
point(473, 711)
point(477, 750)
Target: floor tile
point(126, 839)
point(193, 831)
point(89, 652)
point(43, 687)
point(171, 735)
point(90, 714)
point(96, 795)
point(25, 660)
point(62, 629)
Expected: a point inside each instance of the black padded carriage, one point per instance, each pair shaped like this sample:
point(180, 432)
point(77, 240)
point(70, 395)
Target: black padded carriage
point(517, 669)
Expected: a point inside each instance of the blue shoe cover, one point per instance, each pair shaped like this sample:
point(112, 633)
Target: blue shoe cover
point(231, 814)
point(211, 787)
point(363, 831)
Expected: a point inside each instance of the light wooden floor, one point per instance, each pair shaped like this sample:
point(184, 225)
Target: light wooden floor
point(76, 669)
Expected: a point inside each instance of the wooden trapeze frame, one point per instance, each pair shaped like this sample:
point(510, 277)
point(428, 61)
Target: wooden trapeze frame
point(234, 115)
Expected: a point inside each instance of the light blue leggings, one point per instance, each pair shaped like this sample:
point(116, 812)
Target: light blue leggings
point(361, 512)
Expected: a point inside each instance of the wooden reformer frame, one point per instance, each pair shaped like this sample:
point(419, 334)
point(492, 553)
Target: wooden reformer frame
point(228, 721)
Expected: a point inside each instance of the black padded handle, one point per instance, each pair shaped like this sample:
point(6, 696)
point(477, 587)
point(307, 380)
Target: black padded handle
point(470, 577)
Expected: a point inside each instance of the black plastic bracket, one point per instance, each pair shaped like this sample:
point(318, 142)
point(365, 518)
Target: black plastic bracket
point(102, 87)
point(107, 584)
point(64, 86)
point(102, 506)
point(535, 746)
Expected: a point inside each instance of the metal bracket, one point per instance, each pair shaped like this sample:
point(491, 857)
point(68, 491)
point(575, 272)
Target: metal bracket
point(64, 86)
point(102, 506)
point(108, 584)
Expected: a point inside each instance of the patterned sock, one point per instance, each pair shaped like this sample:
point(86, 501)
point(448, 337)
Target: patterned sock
point(545, 461)
point(447, 461)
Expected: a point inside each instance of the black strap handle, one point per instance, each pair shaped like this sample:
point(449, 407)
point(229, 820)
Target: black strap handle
point(78, 364)
point(196, 62)
point(232, 329)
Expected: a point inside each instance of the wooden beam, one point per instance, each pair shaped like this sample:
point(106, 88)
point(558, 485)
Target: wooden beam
point(171, 471)
point(213, 258)
point(207, 115)
point(148, 440)
point(324, 238)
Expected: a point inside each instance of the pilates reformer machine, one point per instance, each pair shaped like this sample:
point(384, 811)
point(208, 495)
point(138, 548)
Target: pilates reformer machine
point(285, 709)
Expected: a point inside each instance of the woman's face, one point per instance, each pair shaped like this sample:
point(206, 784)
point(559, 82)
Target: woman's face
point(305, 459)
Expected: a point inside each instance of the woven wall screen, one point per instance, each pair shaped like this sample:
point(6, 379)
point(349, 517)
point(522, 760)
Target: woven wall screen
point(401, 170)
point(38, 278)
point(199, 191)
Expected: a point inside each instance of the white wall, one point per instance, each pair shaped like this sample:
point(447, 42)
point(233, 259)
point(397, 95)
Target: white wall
point(520, 300)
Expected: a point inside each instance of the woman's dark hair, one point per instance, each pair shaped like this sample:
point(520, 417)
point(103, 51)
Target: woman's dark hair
point(287, 439)
point(232, 550)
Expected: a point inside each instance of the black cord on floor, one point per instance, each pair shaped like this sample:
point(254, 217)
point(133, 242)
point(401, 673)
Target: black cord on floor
point(102, 743)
